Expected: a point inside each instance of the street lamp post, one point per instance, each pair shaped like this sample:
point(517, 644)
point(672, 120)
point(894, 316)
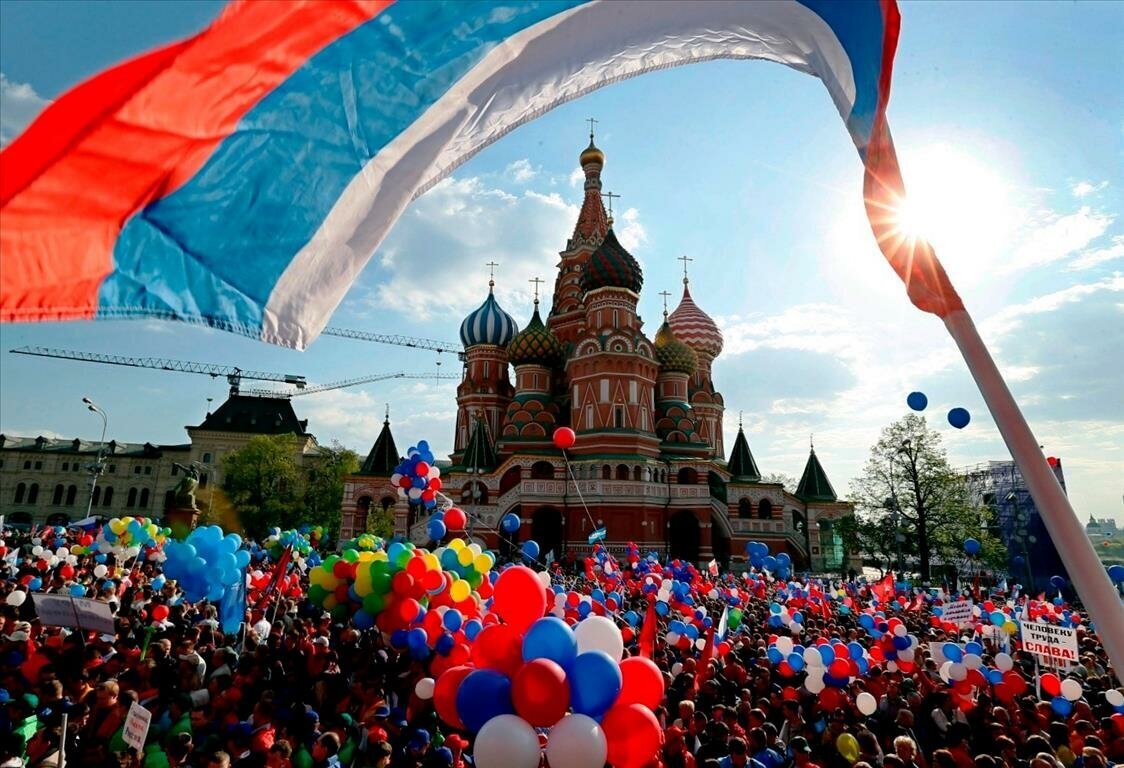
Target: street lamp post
point(98, 466)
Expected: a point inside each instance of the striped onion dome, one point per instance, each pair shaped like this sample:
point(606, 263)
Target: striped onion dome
point(672, 354)
point(611, 266)
point(488, 324)
point(535, 344)
point(694, 327)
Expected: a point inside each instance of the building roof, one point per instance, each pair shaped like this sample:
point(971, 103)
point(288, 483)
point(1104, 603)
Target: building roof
point(535, 344)
point(383, 458)
point(593, 222)
point(672, 354)
point(694, 327)
point(488, 324)
point(814, 485)
point(480, 453)
point(255, 416)
point(741, 464)
point(78, 446)
point(611, 265)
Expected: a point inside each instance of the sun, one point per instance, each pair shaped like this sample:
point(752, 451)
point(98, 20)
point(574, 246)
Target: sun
point(960, 204)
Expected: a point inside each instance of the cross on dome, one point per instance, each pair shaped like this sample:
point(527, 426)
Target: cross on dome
point(685, 258)
point(592, 122)
point(536, 282)
point(610, 197)
point(665, 294)
point(491, 265)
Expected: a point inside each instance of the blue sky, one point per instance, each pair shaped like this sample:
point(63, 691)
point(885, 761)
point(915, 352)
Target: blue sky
point(1010, 122)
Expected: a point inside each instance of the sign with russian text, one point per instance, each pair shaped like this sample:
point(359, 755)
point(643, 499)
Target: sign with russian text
point(958, 613)
point(55, 610)
point(94, 615)
point(136, 727)
point(1054, 646)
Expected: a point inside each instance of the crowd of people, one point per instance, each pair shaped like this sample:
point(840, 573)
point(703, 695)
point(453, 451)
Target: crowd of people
point(297, 686)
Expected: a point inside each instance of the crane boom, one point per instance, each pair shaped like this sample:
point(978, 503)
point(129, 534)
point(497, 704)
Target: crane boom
point(348, 383)
point(233, 374)
point(396, 339)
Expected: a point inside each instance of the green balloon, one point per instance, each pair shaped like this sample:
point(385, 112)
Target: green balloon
point(380, 583)
point(351, 556)
point(317, 594)
point(373, 603)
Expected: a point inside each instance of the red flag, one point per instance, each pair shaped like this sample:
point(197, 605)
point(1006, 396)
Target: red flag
point(648, 631)
point(704, 660)
point(279, 571)
point(884, 590)
point(917, 602)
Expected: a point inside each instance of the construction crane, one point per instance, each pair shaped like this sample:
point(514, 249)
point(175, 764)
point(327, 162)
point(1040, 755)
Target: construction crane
point(233, 374)
point(397, 340)
point(312, 390)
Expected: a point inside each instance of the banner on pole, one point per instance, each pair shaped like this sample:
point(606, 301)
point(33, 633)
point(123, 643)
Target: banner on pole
point(75, 612)
point(958, 613)
point(1054, 646)
point(137, 723)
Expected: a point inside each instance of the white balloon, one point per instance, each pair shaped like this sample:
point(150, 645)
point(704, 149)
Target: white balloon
point(1003, 662)
point(907, 655)
point(866, 703)
point(672, 638)
point(676, 668)
point(814, 684)
point(424, 688)
point(812, 657)
point(559, 611)
point(507, 741)
point(971, 661)
point(1071, 689)
point(901, 630)
point(62, 551)
point(1114, 697)
point(544, 577)
point(37, 551)
point(16, 599)
point(598, 633)
point(577, 741)
point(784, 645)
point(891, 666)
point(957, 671)
point(700, 643)
point(943, 671)
point(100, 570)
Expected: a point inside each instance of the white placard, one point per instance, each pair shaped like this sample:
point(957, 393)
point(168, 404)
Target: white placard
point(958, 613)
point(1054, 646)
point(136, 727)
point(94, 615)
point(55, 610)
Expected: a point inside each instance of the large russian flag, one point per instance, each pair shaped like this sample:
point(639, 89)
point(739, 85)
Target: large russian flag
point(243, 177)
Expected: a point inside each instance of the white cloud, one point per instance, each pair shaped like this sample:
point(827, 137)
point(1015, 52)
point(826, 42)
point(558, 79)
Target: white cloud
point(1058, 237)
point(577, 176)
point(632, 235)
point(1086, 188)
point(1096, 256)
point(19, 105)
point(522, 171)
point(1009, 318)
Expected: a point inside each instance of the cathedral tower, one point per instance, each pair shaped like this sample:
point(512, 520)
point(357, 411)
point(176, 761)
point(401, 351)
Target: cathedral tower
point(697, 330)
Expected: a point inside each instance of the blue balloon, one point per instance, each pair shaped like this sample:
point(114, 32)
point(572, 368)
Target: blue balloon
point(595, 682)
point(1116, 573)
point(827, 653)
point(917, 401)
point(855, 650)
point(774, 654)
point(796, 661)
point(35, 584)
point(484, 694)
point(1062, 705)
point(472, 628)
point(974, 648)
point(550, 638)
point(972, 547)
point(952, 652)
point(959, 417)
point(362, 620)
point(510, 522)
point(77, 590)
point(436, 530)
point(530, 550)
point(452, 620)
point(1057, 581)
point(902, 643)
point(866, 621)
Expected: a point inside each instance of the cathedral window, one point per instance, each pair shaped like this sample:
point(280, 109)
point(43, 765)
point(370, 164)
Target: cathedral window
point(589, 417)
point(618, 416)
point(632, 392)
point(604, 390)
point(643, 419)
point(576, 398)
point(765, 510)
point(606, 472)
point(688, 476)
point(745, 509)
point(616, 319)
point(486, 369)
point(622, 472)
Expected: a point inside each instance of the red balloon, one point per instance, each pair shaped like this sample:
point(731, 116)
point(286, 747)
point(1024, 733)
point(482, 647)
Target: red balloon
point(455, 519)
point(1051, 684)
point(840, 669)
point(340, 569)
point(1052, 461)
point(422, 469)
point(633, 734)
point(540, 693)
point(564, 438)
point(408, 609)
point(498, 647)
point(434, 484)
point(642, 682)
point(402, 582)
point(518, 597)
point(445, 694)
point(160, 612)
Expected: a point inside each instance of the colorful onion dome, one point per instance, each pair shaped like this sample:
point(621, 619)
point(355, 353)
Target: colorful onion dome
point(672, 354)
point(488, 324)
point(612, 266)
point(535, 344)
point(694, 327)
point(591, 154)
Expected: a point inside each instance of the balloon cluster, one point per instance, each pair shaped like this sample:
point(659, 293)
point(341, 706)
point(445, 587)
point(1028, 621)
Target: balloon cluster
point(532, 671)
point(206, 563)
point(125, 537)
point(417, 477)
point(757, 552)
point(278, 541)
point(422, 598)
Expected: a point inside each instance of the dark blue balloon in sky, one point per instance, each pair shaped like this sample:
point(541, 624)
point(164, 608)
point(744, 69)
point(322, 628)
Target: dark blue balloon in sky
point(917, 401)
point(959, 417)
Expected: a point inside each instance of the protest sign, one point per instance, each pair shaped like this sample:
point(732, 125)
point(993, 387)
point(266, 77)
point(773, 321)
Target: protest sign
point(958, 613)
point(1054, 646)
point(94, 616)
point(136, 727)
point(55, 610)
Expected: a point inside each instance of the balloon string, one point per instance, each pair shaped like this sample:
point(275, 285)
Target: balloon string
point(570, 471)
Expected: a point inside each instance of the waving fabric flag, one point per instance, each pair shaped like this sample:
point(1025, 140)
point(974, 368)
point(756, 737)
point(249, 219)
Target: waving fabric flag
point(243, 177)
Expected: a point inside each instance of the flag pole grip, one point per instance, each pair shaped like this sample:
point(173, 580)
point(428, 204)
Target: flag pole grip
point(1088, 574)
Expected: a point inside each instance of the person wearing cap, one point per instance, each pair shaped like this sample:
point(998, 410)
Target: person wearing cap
point(801, 753)
point(675, 751)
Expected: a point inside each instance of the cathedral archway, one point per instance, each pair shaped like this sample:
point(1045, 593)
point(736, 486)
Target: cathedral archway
point(542, 470)
point(510, 479)
point(546, 530)
point(622, 471)
point(683, 537)
point(765, 510)
point(362, 511)
point(688, 476)
point(745, 509)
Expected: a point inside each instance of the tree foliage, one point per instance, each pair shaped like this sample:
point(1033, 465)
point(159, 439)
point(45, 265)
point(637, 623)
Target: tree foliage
point(908, 487)
point(788, 481)
point(270, 484)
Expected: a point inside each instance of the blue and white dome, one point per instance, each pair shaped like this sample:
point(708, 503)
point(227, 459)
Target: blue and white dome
point(488, 324)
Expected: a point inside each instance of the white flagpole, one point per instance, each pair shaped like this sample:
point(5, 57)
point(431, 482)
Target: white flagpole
point(1085, 569)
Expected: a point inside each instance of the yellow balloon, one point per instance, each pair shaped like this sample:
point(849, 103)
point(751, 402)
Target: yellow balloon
point(482, 563)
point(380, 557)
point(118, 526)
point(460, 590)
point(431, 562)
point(465, 556)
point(1009, 627)
point(366, 556)
point(456, 545)
point(848, 747)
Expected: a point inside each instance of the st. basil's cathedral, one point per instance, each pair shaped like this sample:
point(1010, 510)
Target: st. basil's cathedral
point(649, 463)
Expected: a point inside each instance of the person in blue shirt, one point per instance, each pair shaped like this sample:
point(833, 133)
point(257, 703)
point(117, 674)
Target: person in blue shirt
point(762, 753)
point(739, 756)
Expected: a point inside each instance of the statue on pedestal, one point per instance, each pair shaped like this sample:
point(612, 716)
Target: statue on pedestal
point(185, 489)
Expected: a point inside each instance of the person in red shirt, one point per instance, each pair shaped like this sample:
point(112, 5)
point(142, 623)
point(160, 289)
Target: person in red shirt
point(675, 752)
point(801, 753)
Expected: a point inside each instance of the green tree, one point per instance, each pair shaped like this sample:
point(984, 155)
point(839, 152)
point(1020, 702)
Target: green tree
point(380, 522)
point(908, 485)
point(263, 483)
point(324, 485)
point(788, 481)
